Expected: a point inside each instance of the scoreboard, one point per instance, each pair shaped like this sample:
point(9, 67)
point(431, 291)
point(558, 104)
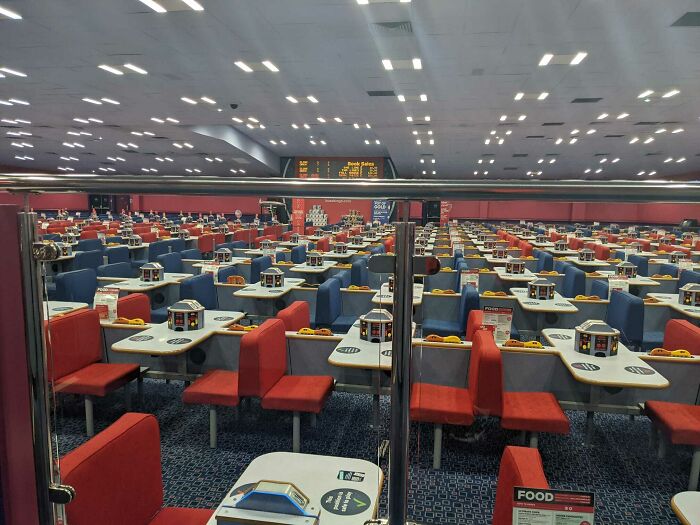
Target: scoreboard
point(339, 168)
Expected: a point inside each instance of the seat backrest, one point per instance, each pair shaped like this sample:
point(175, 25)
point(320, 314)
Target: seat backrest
point(298, 254)
point(468, 301)
point(626, 313)
point(257, 265)
point(600, 288)
point(120, 269)
point(474, 321)
point(682, 334)
point(177, 245)
point(560, 266)
point(296, 316)
point(134, 306)
point(206, 243)
point(574, 282)
point(323, 244)
point(117, 254)
point(74, 341)
point(263, 359)
point(525, 248)
point(343, 277)
point(358, 272)
point(77, 286)
point(545, 262)
point(88, 234)
point(668, 269)
point(328, 304)
point(171, 262)
point(520, 467)
point(192, 253)
point(91, 259)
point(343, 237)
point(126, 455)
point(148, 236)
point(602, 252)
point(641, 263)
point(200, 288)
point(157, 248)
point(688, 276)
point(89, 244)
point(224, 273)
point(486, 374)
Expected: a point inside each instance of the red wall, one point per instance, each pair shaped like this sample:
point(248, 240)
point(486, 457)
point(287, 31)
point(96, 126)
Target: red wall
point(196, 203)
point(72, 201)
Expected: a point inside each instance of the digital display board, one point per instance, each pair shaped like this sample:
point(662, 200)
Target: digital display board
point(339, 168)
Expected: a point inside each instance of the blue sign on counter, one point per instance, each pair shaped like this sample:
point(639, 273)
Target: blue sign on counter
point(381, 211)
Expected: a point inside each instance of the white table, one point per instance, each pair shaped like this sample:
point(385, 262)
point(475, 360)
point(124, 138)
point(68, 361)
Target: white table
point(327, 481)
point(54, 308)
point(135, 284)
point(625, 370)
point(339, 256)
point(386, 298)
point(257, 291)
point(542, 244)
point(203, 262)
point(639, 280)
point(671, 300)
point(561, 253)
point(497, 260)
point(595, 263)
point(514, 277)
point(686, 506)
point(558, 305)
point(359, 246)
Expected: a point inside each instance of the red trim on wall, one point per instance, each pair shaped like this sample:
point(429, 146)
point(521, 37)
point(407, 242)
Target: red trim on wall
point(195, 203)
point(16, 453)
point(53, 201)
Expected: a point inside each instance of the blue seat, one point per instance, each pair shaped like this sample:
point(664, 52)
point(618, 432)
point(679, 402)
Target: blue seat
point(469, 300)
point(52, 237)
point(359, 272)
point(329, 308)
point(600, 288)
point(626, 313)
point(560, 266)
point(257, 265)
point(343, 277)
point(377, 250)
point(545, 262)
point(233, 245)
point(224, 273)
point(642, 264)
point(171, 262)
point(192, 253)
point(200, 288)
point(177, 245)
point(118, 239)
point(155, 249)
point(91, 259)
point(668, 269)
point(117, 254)
point(120, 269)
point(688, 276)
point(298, 254)
point(574, 282)
point(86, 245)
point(77, 286)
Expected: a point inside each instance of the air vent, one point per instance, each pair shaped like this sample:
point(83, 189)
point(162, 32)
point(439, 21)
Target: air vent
point(510, 168)
point(613, 136)
point(599, 122)
point(690, 19)
point(552, 154)
point(520, 155)
point(402, 27)
point(601, 154)
point(644, 123)
point(552, 123)
point(129, 151)
point(586, 100)
point(381, 93)
point(654, 154)
point(535, 137)
point(488, 154)
point(44, 126)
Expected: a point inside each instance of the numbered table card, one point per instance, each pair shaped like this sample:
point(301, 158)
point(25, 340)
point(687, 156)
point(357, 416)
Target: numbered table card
point(498, 320)
point(619, 283)
point(470, 277)
point(552, 507)
point(106, 303)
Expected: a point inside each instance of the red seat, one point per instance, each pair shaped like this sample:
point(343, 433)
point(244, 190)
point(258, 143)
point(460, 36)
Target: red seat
point(602, 252)
point(125, 459)
point(440, 404)
point(88, 234)
point(74, 341)
point(520, 467)
point(215, 387)
point(206, 243)
point(525, 249)
point(296, 316)
point(134, 306)
point(343, 237)
point(323, 245)
point(682, 334)
point(262, 374)
point(474, 322)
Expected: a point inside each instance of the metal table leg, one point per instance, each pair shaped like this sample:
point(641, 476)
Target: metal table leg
point(594, 400)
point(376, 385)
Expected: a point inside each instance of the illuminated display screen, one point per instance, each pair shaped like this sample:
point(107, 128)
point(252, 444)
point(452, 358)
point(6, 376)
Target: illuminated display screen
point(340, 168)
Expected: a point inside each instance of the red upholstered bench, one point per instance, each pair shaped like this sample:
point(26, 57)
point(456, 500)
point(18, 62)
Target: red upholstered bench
point(117, 478)
point(214, 388)
point(474, 322)
point(296, 316)
point(74, 343)
point(520, 467)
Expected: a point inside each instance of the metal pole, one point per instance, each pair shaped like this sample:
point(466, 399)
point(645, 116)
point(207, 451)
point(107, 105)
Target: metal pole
point(36, 357)
point(401, 371)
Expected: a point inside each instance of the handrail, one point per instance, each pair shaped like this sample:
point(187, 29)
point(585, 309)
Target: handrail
point(398, 189)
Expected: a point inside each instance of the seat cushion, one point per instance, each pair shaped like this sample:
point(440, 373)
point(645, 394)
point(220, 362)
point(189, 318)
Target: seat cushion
point(182, 516)
point(298, 393)
point(97, 379)
point(343, 323)
point(441, 404)
point(216, 387)
point(441, 327)
point(680, 422)
point(533, 412)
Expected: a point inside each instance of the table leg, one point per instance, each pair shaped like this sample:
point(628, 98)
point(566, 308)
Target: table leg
point(594, 400)
point(376, 385)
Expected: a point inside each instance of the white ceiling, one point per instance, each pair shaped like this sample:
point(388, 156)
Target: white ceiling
point(476, 55)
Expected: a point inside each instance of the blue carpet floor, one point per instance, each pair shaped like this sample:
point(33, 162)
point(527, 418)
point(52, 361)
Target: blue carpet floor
point(631, 485)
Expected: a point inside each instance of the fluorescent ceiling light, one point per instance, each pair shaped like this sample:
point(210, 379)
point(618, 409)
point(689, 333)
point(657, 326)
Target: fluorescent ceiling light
point(109, 101)
point(573, 140)
point(559, 141)
point(602, 116)
point(677, 130)
point(635, 139)
point(401, 98)
point(366, 141)
point(194, 5)
point(312, 99)
point(283, 142)
point(587, 170)
point(546, 59)
point(682, 159)
point(599, 170)
point(387, 64)
point(253, 119)
point(136, 69)
point(578, 58)
point(574, 131)
point(519, 96)
point(669, 159)
point(649, 140)
point(409, 119)
point(12, 72)
point(503, 118)
point(178, 146)
point(641, 173)
point(236, 119)
point(174, 121)
point(110, 69)
point(645, 94)
point(623, 115)
point(652, 173)
point(189, 100)
point(356, 125)
point(522, 117)
point(295, 126)
point(9, 14)
point(427, 118)
point(269, 65)
point(245, 67)
point(19, 101)
point(292, 99)
point(590, 131)
point(542, 95)
point(159, 121)
point(417, 63)
point(363, 2)
point(154, 5)
point(96, 120)
point(423, 97)
point(208, 100)
point(661, 130)
point(671, 93)
point(321, 119)
point(188, 145)
point(5, 103)
point(368, 126)
point(306, 126)
point(92, 101)
point(338, 119)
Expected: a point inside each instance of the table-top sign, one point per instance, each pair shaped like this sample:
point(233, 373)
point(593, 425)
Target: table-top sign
point(533, 506)
point(498, 320)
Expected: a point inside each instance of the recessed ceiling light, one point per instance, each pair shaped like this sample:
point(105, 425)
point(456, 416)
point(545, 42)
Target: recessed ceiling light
point(245, 67)
point(19, 101)
point(409, 119)
point(669, 159)
point(174, 121)
point(546, 59)
point(602, 116)
point(578, 58)
point(682, 159)
point(363, 2)
point(635, 139)
point(678, 130)
point(377, 142)
point(136, 69)
point(109, 101)
point(522, 117)
point(111, 69)
point(367, 125)
point(338, 119)
point(12, 72)
point(423, 97)
point(487, 141)
point(92, 101)
point(269, 65)
point(493, 132)
point(622, 115)
point(5, 103)
point(641, 173)
point(21, 121)
point(500, 142)
point(366, 141)
point(149, 133)
point(422, 161)
point(542, 95)
point(587, 170)
point(236, 119)
point(10, 14)
point(645, 94)
point(660, 130)
point(154, 5)
point(321, 119)
point(292, 99)
point(519, 96)
point(187, 145)
point(478, 161)
point(540, 161)
point(652, 173)
point(427, 118)
point(671, 93)
point(306, 126)
point(401, 98)
point(573, 140)
point(559, 141)
point(387, 64)
point(552, 161)
point(283, 142)
point(208, 100)
point(417, 63)
point(574, 132)
point(312, 142)
point(253, 119)
point(159, 121)
point(507, 132)
point(273, 142)
point(615, 160)
point(137, 133)
point(590, 131)
point(599, 170)
point(503, 118)
point(189, 100)
point(649, 140)
point(178, 146)
point(294, 126)
point(312, 99)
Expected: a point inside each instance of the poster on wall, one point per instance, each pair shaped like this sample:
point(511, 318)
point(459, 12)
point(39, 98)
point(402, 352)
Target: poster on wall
point(381, 211)
point(445, 209)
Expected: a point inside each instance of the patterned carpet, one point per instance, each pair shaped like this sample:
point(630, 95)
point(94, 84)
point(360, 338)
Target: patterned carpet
point(631, 485)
